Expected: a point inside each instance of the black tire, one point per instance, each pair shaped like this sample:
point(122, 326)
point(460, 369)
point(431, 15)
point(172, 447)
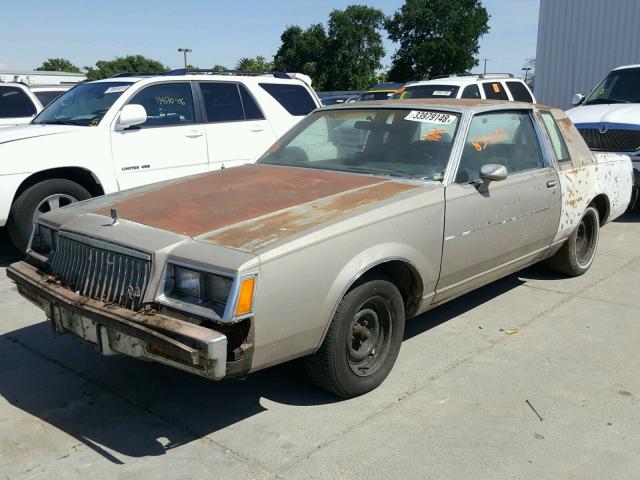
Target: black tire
point(360, 347)
point(576, 255)
point(20, 221)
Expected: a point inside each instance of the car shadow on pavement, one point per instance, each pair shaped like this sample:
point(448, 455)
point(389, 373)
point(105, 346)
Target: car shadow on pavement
point(8, 253)
point(630, 216)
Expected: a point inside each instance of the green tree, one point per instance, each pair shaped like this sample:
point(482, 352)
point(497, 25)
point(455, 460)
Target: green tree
point(58, 65)
point(531, 74)
point(302, 51)
point(354, 48)
point(436, 37)
point(130, 63)
point(219, 68)
point(257, 64)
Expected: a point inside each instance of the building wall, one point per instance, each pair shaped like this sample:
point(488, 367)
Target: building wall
point(579, 42)
point(41, 77)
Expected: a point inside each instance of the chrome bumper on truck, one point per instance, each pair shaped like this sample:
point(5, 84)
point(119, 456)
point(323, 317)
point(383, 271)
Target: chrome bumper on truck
point(113, 329)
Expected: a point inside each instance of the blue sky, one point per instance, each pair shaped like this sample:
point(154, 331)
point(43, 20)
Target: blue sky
point(217, 31)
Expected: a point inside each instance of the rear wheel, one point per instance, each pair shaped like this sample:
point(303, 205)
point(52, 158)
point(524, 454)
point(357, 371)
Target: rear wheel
point(363, 340)
point(577, 254)
point(40, 198)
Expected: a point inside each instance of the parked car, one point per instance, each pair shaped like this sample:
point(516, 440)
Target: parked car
point(382, 91)
point(609, 117)
point(123, 132)
point(19, 103)
point(487, 87)
point(336, 99)
point(320, 250)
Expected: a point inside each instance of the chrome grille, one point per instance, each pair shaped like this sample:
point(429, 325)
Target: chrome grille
point(94, 270)
point(613, 140)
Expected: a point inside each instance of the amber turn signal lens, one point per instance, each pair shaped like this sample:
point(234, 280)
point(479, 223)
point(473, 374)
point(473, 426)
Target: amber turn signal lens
point(245, 298)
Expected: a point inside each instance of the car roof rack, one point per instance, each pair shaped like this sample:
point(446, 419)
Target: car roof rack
point(477, 75)
point(135, 74)
point(246, 73)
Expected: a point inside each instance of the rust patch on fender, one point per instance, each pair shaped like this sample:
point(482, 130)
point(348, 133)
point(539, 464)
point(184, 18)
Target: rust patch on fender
point(211, 201)
point(258, 233)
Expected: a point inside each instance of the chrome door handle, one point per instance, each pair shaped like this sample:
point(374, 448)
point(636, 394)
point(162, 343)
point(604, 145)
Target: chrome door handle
point(257, 128)
point(552, 184)
point(193, 134)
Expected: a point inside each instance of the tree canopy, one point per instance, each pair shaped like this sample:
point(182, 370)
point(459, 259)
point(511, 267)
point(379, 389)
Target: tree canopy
point(257, 64)
point(130, 63)
point(302, 51)
point(436, 37)
point(58, 65)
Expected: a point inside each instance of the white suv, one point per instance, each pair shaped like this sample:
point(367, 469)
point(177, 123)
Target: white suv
point(128, 131)
point(19, 103)
point(487, 87)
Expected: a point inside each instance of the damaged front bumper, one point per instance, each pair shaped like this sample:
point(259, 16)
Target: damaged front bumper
point(112, 329)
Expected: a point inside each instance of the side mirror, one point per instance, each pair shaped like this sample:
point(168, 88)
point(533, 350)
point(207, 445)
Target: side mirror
point(577, 99)
point(130, 115)
point(491, 172)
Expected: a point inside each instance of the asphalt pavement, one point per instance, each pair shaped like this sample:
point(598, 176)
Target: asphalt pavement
point(532, 377)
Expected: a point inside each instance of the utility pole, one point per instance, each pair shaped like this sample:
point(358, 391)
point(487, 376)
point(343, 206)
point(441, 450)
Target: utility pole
point(185, 51)
point(485, 66)
point(526, 74)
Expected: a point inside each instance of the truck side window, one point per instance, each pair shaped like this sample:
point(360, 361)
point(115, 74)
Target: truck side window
point(504, 138)
point(519, 92)
point(166, 104)
point(471, 91)
point(557, 142)
point(494, 91)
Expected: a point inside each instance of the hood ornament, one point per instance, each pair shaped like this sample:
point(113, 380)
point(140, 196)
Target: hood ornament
point(114, 217)
point(604, 127)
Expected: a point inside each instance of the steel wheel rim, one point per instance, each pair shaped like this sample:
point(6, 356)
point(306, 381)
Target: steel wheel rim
point(52, 202)
point(586, 240)
point(369, 336)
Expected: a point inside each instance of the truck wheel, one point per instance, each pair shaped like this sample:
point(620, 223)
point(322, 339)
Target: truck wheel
point(362, 342)
point(36, 200)
point(577, 254)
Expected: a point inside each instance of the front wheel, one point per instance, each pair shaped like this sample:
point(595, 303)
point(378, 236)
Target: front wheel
point(576, 256)
point(40, 198)
point(363, 340)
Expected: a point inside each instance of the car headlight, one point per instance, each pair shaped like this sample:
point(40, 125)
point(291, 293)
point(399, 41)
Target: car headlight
point(44, 239)
point(197, 286)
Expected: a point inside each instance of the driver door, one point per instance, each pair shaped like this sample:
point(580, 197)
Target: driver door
point(492, 232)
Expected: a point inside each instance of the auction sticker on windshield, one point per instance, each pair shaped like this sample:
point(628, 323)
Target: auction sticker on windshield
point(118, 89)
point(430, 117)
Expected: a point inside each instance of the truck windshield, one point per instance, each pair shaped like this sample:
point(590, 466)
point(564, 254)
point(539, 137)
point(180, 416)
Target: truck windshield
point(620, 86)
point(387, 142)
point(83, 105)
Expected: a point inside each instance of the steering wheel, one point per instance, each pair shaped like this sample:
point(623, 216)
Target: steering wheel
point(294, 156)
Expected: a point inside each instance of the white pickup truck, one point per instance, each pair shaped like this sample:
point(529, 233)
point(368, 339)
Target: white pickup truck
point(127, 131)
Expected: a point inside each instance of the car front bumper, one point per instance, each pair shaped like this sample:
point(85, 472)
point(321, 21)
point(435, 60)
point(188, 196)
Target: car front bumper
point(145, 334)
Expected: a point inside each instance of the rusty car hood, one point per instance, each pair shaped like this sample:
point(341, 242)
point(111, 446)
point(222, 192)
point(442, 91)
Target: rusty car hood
point(251, 206)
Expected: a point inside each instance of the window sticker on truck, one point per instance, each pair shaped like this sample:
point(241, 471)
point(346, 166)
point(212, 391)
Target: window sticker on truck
point(430, 117)
point(118, 89)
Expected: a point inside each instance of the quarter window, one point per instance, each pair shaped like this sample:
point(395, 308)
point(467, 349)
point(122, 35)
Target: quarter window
point(519, 92)
point(471, 91)
point(557, 142)
point(494, 91)
point(14, 103)
point(294, 98)
point(503, 138)
point(166, 104)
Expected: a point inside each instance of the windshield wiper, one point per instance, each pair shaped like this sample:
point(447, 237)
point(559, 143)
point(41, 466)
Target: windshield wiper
point(605, 100)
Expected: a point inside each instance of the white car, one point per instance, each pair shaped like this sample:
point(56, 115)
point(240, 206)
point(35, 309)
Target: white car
point(19, 103)
point(487, 87)
point(609, 117)
point(124, 132)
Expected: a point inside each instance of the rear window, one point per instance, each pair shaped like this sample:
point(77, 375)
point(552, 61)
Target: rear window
point(557, 142)
point(519, 92)
point(14, 103)
point(294, 98)
point(431, 91)
point(47, 97)
point(494, 91)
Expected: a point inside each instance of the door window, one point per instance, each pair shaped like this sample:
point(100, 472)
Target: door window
point(505, 138)
point(557, 142)
point(519, 92)
point(228, 102)
point(14, 103)
point(494, 91)
point(471, 91)
point(166, 104)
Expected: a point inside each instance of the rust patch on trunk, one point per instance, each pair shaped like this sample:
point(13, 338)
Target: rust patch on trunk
point(258, 233)
point(219, 199)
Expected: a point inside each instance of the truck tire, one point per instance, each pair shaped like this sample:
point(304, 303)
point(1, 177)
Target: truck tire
point(36, 200)
point(576, 255)
point(362, 342)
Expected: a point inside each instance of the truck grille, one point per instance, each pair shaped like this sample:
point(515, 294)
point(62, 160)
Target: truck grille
point(611, 141)
point(109, 275)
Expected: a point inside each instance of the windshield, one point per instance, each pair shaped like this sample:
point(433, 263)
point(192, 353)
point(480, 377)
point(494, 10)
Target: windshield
point(430, 91)
point(83, 105)
point(620, 86)
point(397, 143)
